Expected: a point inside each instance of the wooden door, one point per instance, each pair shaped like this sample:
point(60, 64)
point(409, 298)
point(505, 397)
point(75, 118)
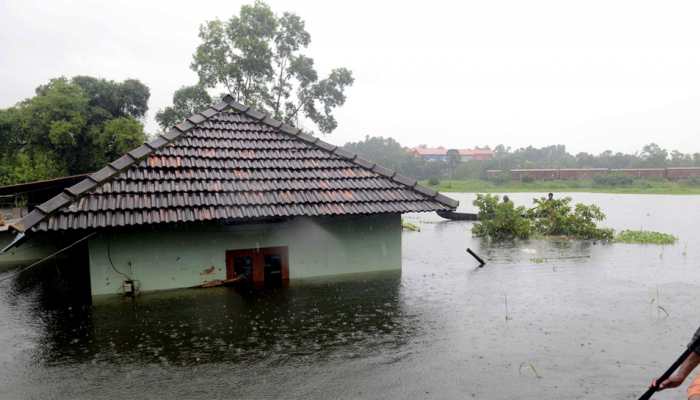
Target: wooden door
point(275, 265)
point(246, 264)
point(267, 266)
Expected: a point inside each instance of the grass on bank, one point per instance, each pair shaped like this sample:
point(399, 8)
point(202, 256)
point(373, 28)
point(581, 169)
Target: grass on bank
point(645, 237)
point(637, 187)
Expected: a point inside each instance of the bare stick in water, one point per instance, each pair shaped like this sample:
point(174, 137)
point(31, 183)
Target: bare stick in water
point(481, 262)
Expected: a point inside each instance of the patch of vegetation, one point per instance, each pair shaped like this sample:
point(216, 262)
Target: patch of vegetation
point(615, 179)
point(694, 181)
point(501, 178)
point(407, 226)
point(502, 220)
point(645, 237)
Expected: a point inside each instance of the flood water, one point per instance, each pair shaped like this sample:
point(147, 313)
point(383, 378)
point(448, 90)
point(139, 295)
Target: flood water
point(542, 320)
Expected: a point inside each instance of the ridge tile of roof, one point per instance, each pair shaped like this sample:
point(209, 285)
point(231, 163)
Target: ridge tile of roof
point(400, 200)
point(344, 153)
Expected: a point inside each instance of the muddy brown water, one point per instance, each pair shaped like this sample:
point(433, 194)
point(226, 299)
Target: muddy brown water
point(582, 321)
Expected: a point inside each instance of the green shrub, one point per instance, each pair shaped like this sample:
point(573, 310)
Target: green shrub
point(433, 181)
point(614, 179)
point(556, 217)
point(501, 178)
point(692, 181)
point(500, 220)
point(527, 179)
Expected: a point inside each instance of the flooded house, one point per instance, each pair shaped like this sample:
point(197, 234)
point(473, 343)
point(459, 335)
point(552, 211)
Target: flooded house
point(231, 194)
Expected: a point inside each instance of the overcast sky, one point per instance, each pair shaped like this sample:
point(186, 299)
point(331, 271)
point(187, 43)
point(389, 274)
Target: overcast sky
point(593, 75)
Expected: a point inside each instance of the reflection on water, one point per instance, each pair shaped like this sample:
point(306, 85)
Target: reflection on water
point(313, 319)
point(582, 314)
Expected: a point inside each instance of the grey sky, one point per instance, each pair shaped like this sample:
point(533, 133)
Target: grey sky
point(593, 75)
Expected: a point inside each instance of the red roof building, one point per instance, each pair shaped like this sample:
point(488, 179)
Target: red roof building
point(440, 153)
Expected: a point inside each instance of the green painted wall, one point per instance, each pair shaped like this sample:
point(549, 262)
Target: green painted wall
point(169, 259)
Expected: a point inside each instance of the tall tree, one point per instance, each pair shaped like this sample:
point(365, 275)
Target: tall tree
point(453, 160)
point(119, 99)
point(70, 127)
point(654, 156)
point(186, 101)
point(257, 58)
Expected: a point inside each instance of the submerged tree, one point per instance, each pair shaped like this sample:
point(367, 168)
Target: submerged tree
point(257, 58)
point(556, 217)
point(500, 220)
point(548, 217)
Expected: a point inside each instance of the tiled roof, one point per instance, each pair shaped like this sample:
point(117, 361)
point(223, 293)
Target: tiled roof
point(231, 163)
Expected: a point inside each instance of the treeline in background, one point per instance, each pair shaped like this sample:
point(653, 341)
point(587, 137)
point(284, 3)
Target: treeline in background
point(390, 153)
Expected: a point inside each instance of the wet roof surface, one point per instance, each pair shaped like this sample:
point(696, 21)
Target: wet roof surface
point(231, 163)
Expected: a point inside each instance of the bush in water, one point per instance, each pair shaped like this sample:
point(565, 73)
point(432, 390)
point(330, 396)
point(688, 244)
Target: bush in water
point(556, 217)
point(500, 220)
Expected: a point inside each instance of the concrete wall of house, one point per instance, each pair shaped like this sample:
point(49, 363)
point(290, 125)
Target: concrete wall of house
point(185, 257)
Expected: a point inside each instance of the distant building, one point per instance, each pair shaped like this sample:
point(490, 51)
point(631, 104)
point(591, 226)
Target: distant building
point(430, 153)
point(476, 154)
point(441, 153)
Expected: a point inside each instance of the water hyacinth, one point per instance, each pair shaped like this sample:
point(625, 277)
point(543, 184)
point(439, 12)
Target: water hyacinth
point(645, 237)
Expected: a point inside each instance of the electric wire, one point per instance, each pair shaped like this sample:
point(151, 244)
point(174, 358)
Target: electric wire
point(109, 257)
point(47, 257)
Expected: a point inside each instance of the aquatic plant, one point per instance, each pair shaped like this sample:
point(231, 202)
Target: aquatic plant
point(500, 220)
point(645, 237)
point(405, 225)
point(532, 368)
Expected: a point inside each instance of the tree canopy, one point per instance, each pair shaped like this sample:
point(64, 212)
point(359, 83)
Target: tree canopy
point(186, 101)
point(70, 126)
point(256, 57)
